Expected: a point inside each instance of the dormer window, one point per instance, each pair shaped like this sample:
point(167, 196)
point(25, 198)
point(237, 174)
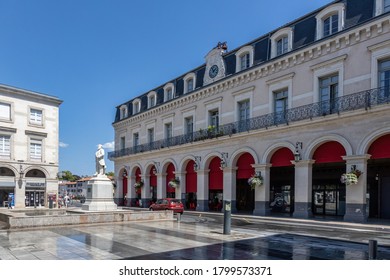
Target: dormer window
point(330, 20)
point(281, 42)
point(244, 61)
point(168, 92)
point(331, 25)
point(282, 45)
point(136, 106)
point(189, 82)
point(382, 6)
point(244, 58)
point(152, 97)
point(123, 112)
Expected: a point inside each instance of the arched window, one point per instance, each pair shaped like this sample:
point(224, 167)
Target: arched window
point(189, 82)
point(244, 58)
point(382, 6)
point(123, 112)
point(169, 92)
point(136, 106)
point(330, 20)
point(281, 42)
point(152, 99)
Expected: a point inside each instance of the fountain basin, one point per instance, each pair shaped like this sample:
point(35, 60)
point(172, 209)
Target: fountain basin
point(29, 218)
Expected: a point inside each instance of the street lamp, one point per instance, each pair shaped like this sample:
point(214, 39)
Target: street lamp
point(224, 159)
point(297, 155)
point(197, 163)
point(156, 168)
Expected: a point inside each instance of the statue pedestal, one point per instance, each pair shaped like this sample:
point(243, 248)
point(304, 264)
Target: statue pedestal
point(99, 195)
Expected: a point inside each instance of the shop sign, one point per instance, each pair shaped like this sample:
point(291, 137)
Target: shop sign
point(35, 185)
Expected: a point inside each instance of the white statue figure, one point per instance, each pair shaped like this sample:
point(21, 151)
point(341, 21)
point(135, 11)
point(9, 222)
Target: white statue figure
point(100, 163)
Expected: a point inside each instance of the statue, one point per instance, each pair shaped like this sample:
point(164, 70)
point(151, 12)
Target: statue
point(100, 163)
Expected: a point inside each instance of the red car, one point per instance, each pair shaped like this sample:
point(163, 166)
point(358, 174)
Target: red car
point(168, 204)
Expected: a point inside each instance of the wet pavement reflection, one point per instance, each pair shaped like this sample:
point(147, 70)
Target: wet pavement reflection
point(194, 237)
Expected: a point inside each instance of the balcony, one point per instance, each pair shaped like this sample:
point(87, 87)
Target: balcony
point(360, 100)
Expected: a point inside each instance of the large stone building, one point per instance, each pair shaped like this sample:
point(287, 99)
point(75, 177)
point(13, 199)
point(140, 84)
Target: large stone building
point(29, 131)
point(297, 107)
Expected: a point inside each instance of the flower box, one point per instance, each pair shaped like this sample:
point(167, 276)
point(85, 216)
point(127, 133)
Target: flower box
point(174, 183)
point(255, 181)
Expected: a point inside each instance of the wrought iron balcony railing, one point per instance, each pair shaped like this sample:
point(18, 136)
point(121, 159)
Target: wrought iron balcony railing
point(360, 100)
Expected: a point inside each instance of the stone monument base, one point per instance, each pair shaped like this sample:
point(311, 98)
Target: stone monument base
point(99, 195)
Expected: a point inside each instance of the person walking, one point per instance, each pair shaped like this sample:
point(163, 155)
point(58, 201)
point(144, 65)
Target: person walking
point(9, 202)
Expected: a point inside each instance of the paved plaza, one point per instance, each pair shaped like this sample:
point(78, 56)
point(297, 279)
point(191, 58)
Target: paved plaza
point(197, 236)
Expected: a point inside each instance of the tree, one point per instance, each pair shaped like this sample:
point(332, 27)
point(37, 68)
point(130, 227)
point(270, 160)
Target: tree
point(110, 173)
point(68, 176)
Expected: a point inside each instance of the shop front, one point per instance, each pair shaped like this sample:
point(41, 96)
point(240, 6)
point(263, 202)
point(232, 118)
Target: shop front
point(6, 189)
point(35, 194)
point(282, 182)
point(215, 185)
point(378, 178)
point(245, 195)
point(328, 192)
point(191, 186)
point(7, 185)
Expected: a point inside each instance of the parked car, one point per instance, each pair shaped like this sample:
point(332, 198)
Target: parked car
point(168, 204)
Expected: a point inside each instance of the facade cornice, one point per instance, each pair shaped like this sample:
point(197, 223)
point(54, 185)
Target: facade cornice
point(326, 46)
point(30, 94)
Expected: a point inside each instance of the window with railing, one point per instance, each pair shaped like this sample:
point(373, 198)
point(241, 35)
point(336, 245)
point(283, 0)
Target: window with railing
point(243, 114)
point(280, 105)
point(189, 127)
point(384, 77)
point(360, 100)
point(329, 87)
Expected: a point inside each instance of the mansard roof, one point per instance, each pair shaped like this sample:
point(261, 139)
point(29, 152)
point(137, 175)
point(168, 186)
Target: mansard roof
point(304, 29)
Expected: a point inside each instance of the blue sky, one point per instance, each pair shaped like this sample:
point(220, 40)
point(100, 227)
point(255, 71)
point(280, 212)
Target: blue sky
point(97, 54)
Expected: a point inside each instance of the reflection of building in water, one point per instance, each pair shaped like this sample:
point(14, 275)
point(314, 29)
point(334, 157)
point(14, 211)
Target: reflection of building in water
point(28, 146)
point(294, 104)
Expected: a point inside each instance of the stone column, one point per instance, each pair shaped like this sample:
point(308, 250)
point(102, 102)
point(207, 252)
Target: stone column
point(303, 188)
point(356, 193)
point(229, 187)
point(262, 192)
point(131, 196)
point(161, 185)
point(145, 191)
point(20, 193)
point(203, 190)
point(180, 192)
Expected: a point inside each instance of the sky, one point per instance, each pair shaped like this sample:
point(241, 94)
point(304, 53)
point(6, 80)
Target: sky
point(97, 54)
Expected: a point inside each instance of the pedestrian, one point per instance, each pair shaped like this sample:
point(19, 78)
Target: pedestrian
point(9, 202)
point(66, 200)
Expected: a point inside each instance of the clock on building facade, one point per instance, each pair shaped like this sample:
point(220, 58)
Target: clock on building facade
point(215, 65)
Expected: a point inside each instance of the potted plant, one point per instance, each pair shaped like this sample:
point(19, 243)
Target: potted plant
point(255, 181)
point(351, 177)
point(174, 183)
point(139, 184)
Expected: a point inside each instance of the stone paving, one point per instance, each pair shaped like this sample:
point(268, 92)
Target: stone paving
point(192, 238)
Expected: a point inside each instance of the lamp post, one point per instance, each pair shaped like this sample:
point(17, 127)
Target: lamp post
point(297, 155)
point(224, 159)
point(197, 163)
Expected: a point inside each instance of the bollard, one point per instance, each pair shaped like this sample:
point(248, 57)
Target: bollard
point(178, 217)
point(227, 220)
point(372, 249)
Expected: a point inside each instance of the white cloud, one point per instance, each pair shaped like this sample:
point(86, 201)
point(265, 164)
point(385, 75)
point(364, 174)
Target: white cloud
point(63, 145)
point(109, 145)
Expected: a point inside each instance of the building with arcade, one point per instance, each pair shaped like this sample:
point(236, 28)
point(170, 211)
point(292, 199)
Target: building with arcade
point(304, 109)
point(29, 139)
